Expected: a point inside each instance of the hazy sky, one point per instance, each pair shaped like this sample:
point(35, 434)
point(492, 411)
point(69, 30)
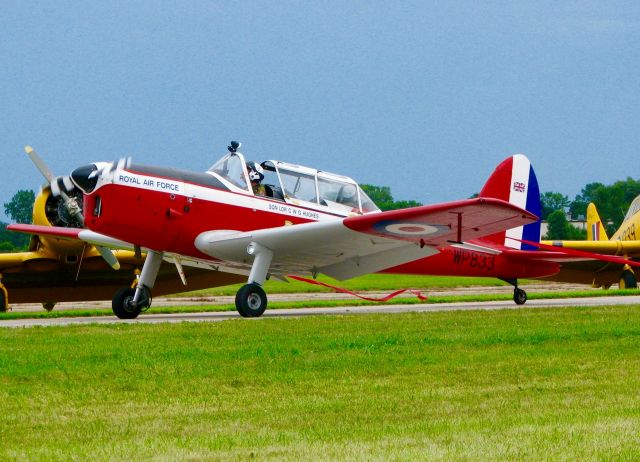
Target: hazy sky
point(424, 97)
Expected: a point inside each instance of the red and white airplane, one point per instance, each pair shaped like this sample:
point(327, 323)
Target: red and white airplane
point(307, 222)
point(302, 220)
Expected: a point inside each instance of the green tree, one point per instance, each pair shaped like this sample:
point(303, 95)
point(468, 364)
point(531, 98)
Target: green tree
point(6, 246)
point(559, 228)
point(552, 201)
point(20, 208)
point(612, 201)
point(10, 241)
point(381, 195)
point(590, 193)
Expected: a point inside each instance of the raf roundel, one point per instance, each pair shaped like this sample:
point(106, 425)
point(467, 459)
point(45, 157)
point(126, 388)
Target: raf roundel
point(403, 228)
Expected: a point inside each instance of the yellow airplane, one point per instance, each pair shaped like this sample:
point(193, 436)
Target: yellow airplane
point(624, 243)
point(56, 270)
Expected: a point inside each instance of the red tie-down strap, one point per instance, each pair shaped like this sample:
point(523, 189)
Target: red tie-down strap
point(346, 291)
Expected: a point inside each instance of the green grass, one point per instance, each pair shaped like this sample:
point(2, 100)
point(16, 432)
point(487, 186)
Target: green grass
point(322, 303)
point(370, 282)
point(506, 385)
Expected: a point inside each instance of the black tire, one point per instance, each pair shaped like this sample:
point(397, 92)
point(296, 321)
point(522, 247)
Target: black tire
point(48, 305)
point(628, 280)
point(519, 296)
point(122, 305)
point(251, 301)
point(3, 301)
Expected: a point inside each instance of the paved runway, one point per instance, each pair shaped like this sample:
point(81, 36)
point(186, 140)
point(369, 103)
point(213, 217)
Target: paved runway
point(150, 318)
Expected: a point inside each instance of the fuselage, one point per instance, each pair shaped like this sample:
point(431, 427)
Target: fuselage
point(627, 230)
point(167, 209)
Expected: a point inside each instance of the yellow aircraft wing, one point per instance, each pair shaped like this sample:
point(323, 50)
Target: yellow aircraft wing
point(11, 260)
point(629, 249)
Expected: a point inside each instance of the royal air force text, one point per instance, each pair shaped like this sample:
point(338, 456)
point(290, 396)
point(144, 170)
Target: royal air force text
point(163, 185)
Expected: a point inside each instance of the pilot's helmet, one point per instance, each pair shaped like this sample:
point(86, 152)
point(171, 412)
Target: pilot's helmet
point(256, 172)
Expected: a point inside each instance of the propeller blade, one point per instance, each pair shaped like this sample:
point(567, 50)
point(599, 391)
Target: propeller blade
point(39, 163)
point(109, 257)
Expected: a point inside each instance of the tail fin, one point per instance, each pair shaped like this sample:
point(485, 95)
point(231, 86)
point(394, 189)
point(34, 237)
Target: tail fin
point(515, 181)
point(595, 229)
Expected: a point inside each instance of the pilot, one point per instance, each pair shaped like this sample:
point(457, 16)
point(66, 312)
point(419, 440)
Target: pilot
point(256, 175)
point(349, 197)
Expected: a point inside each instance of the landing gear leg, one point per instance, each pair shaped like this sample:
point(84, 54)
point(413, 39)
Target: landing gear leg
point(4, 297)
point(129, 302)
point(519, 295)
point(251, 299)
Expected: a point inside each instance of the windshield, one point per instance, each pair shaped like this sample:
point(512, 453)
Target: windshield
point(366, 203)
point(231, 168)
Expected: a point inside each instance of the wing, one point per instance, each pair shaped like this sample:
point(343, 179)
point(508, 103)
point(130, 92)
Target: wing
point(15, 259)
point(44, 275)
point(364, 244)
point(630, 249)
point(71, 234)
point(589, 264)
point(566, 253)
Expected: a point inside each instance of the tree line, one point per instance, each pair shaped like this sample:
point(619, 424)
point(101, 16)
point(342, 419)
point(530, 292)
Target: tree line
point(612, 201)
point(20, 210)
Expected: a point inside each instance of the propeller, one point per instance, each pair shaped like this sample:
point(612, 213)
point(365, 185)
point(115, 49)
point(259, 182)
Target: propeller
point(69, 203)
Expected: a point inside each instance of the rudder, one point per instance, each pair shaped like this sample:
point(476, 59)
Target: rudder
point(595, 229)
point(514, 181)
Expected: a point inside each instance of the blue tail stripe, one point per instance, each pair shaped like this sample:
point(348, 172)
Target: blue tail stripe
point(531, 232)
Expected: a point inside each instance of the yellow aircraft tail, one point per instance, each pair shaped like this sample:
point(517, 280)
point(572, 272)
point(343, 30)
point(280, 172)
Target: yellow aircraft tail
point(595, 230)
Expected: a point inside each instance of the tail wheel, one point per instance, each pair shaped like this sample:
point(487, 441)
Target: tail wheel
point(519, 296)
point(251, 301)
point(123, 306)
point(628, 280)
point(48, 305)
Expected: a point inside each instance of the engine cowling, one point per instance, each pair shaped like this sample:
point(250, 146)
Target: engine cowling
point(49, 210)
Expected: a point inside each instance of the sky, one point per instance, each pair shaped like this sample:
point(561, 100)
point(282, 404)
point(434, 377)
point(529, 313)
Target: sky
point(426, 97)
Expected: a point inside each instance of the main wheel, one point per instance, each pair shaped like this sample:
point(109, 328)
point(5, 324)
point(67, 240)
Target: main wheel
point(628, 280)
point(123, 306)
point(519, 296)
point(251, 301)
point(48, 305)
point(4, 305)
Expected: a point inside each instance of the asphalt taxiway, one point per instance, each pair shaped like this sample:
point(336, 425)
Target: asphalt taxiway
point(150, 318)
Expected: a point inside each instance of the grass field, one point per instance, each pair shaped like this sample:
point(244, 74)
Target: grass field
point(507, 385)
point(89, 312)
point(369, 282)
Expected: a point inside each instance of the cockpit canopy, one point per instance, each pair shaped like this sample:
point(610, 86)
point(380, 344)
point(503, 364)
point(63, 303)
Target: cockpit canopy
point(296, 185)
point(633, 208)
